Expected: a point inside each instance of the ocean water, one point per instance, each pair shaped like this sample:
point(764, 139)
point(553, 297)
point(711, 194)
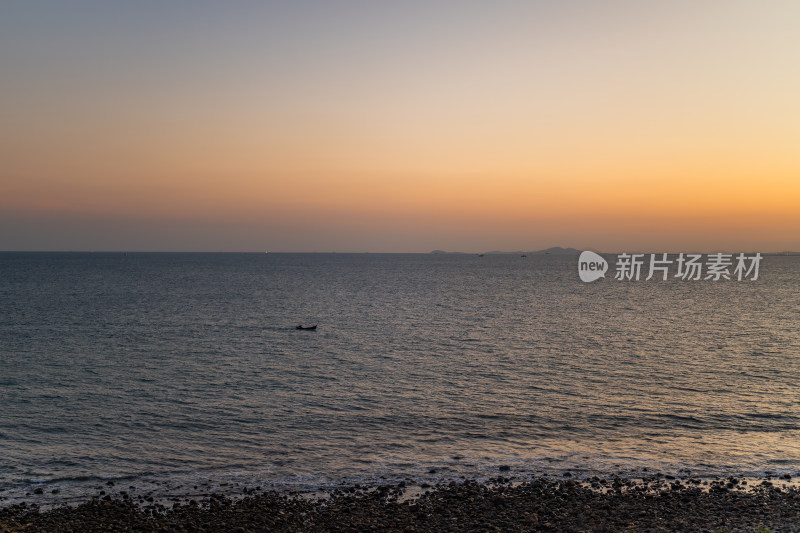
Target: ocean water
point(179, 370)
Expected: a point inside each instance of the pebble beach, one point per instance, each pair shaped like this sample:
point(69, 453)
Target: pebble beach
point(658, 504)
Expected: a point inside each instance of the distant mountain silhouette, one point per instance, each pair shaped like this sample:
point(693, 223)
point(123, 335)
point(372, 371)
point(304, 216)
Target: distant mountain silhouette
point(555, 250)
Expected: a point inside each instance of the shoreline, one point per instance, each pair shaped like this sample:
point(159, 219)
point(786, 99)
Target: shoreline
point(657, 503)
point(172, 487)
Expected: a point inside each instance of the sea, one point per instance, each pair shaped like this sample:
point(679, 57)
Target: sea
point(177, 374)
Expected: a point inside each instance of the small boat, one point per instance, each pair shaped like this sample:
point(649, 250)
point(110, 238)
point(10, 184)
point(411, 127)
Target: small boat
point(306, 328)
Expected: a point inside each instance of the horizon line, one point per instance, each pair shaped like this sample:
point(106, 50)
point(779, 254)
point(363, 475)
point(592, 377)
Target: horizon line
point(568, 251)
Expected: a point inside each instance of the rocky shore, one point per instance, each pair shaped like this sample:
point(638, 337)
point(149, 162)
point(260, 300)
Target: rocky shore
point(660, 503)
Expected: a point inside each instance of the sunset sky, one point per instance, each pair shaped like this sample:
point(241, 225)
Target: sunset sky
point(400, 126)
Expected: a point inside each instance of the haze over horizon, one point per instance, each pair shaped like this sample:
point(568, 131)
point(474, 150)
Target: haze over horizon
point(362, 127)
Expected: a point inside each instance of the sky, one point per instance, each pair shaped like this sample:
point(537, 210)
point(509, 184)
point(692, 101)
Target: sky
point(361, 126)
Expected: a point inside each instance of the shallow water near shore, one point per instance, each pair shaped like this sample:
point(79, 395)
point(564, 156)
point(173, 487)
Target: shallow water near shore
point(170, 371)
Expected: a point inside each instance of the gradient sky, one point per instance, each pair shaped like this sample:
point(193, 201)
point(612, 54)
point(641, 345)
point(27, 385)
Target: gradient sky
point(400, 126)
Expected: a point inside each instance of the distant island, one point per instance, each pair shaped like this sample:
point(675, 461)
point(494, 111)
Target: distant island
point(555, 250)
